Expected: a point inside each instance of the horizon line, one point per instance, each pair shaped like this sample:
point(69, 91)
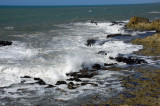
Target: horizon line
point(78, 5)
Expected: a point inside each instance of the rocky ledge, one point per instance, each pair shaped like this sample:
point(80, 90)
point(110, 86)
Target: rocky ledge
point(150, 45)
point(140, 23)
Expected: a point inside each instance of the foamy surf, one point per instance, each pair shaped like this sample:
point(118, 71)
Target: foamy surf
point(51, 55)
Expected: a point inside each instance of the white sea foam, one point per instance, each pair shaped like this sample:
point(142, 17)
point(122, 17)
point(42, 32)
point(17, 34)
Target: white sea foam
point(17, 51)
point(154, 12)
point(50, 56)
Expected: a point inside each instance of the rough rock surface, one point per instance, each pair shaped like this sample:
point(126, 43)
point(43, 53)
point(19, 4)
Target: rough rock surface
point(150, 45)
point(140, 23)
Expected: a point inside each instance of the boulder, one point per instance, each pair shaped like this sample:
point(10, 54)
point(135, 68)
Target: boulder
point(5, 43)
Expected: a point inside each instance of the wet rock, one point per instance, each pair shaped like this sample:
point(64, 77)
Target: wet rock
point(40, 81)
point(90, 42)
point(129, 60)
point(111, 64)
point(117, 35)
point(82, 74)
point(74, 79)
point(96, 66)
point(26, 77)
point(71, 85)
point(60, 82)
point(102, 52)
point(5, 43)
point(93, 84)
point(50, 86)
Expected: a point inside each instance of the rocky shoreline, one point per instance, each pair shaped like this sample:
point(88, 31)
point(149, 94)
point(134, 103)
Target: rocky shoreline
point(143, 86)
point(142, 89)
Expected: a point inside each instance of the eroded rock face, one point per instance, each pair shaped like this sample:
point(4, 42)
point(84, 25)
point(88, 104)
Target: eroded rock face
point(140, 23)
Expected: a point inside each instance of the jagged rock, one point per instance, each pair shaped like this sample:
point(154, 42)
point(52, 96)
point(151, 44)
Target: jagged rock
point(40, 81)
point(90, 42)
point(96, 66)
point(117, 35)
point(140, 23)
point(129, 60)
point(5, 43)
point(60, 82)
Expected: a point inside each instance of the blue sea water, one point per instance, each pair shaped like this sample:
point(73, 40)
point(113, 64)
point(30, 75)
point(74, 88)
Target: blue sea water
point(49, 42)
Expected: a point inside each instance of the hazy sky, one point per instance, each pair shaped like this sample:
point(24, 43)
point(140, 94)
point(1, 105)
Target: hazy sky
point(73, 2)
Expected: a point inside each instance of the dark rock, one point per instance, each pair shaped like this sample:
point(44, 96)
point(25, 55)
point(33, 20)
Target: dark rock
point(105, 64)
point(96, 66)
point(60, 82)
point(82, 74)
point(37, 79)
point(90, 42)
point(5, 43)
point(93, 22)
point(40, 81)
point(102, 52)
point(50, 86)
point(117, 35)
point(71, 85)
point(93, 84)
point(74, 79)
point(26, 77)
point(129, 60)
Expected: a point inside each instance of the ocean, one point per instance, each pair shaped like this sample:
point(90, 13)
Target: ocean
point(50, 41)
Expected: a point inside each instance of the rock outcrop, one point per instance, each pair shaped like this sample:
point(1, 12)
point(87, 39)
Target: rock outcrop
point(140, 23)
point(150, 45)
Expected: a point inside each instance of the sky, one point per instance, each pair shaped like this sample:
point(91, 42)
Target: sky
point(73, 2)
